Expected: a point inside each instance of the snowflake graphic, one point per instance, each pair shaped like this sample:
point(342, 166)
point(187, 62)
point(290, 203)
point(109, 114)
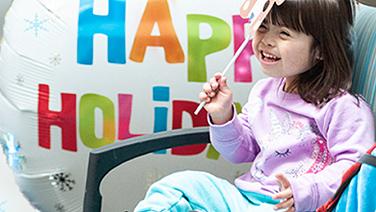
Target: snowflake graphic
point(55, 60)
point(2, 204)
point(20, 80)
point(59, 207)
point(12, 151)
point(36, 25)
point(62, 181)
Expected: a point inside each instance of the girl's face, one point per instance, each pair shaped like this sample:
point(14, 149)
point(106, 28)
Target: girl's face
point(283, 52)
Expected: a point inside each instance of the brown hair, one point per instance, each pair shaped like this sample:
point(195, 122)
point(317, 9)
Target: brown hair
point(329, 22)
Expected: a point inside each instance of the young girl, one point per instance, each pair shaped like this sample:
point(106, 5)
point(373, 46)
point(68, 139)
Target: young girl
point(301, 128)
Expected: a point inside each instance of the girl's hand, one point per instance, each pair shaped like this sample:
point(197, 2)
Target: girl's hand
point(218, 98)
point(285, 195)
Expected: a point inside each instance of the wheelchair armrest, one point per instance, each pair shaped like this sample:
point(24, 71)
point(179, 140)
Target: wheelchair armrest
point(104, 159)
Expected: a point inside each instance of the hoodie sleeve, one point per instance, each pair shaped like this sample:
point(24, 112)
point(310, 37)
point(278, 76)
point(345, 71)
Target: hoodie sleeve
point(349, 130)
point(234, 139)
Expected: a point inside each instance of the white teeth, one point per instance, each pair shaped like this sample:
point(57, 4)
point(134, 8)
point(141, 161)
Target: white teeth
point(270, 56)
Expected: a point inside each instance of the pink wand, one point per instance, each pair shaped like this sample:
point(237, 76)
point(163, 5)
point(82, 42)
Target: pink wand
point(256, 12)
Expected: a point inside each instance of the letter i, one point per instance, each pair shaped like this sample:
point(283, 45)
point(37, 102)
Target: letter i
point(160, 94)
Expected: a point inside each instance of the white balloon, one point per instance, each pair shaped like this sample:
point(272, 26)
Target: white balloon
point(4, 5)
point(65, 89)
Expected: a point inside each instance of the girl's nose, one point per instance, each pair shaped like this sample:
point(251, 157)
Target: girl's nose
point(269, 39)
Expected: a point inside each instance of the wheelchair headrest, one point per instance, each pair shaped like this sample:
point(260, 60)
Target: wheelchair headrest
point(364, 73)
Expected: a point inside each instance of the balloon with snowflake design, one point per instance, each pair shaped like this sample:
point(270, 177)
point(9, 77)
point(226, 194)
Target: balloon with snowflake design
point(81, 74)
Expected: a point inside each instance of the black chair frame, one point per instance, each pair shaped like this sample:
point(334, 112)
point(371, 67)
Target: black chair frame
point(104, 159)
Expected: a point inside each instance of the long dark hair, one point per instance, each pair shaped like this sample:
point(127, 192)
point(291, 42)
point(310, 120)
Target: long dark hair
point(329, 22)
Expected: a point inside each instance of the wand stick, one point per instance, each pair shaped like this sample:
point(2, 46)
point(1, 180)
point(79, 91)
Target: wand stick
point(238, 52)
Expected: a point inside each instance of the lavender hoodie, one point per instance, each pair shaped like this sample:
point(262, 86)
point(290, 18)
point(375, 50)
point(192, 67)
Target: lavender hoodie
point(281, 133)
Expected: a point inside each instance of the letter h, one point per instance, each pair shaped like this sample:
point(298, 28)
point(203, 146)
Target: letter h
point(112, 25)
point(66, 120)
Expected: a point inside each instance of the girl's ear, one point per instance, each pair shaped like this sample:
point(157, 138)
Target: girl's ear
point(317, 54)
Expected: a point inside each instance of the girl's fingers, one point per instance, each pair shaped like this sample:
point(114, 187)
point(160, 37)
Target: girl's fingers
point(283, 180)
point(203, 97)
point(218, 82)
point(213, 83)
point(223, 83)
point(287, 193)
point(218, 76)
point(288, 203)
point(291, 209)
point(208, 90)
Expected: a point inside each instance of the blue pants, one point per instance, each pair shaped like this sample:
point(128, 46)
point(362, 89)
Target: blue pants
point(201, 191)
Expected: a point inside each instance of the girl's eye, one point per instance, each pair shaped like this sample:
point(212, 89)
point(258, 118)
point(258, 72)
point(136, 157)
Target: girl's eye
point(285, 34)
point(262, 28)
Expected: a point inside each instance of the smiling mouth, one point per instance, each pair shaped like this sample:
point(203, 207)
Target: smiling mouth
point(269, 57)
